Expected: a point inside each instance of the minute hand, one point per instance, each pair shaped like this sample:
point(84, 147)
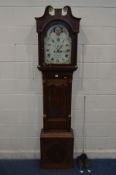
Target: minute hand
point(58, 49)
point(60, 46)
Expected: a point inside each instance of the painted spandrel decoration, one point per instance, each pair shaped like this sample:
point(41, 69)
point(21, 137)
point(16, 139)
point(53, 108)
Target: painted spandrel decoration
point(57, 45)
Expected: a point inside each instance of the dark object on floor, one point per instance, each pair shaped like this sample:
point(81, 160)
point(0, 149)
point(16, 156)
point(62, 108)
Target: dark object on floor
point(83, 163)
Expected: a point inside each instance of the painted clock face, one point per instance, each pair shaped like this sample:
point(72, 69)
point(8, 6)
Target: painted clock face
point(57, 45)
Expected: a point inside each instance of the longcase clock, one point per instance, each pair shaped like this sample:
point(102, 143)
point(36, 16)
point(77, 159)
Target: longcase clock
point(57, 48)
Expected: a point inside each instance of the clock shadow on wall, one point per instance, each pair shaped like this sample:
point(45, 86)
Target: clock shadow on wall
point(57, 52)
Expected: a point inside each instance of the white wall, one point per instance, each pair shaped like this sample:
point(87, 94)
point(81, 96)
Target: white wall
point(21, 82)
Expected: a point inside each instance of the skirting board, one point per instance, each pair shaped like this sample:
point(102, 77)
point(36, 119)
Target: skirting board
point(19, 154)
point(92, 154)
point(98, 154)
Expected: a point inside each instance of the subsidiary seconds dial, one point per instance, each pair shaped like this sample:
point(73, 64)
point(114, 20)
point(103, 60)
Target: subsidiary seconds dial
point(57, 45)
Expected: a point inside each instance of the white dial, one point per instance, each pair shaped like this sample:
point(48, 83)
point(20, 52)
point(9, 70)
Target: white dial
point(57, 45)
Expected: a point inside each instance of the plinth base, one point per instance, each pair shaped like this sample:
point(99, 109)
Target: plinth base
point(56, 150)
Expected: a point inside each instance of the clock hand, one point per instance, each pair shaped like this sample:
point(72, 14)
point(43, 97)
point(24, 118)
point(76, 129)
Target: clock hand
point(58, 49)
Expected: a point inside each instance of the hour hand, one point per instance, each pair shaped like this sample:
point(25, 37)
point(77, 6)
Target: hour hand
point(60, 47)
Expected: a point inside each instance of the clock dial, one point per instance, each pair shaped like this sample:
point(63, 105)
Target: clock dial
point(57, 45)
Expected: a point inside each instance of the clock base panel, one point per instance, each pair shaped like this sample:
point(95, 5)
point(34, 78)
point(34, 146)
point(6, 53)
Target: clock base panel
point(56, 150)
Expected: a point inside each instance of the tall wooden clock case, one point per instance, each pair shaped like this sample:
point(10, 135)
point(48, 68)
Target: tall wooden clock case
point(57, 48)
